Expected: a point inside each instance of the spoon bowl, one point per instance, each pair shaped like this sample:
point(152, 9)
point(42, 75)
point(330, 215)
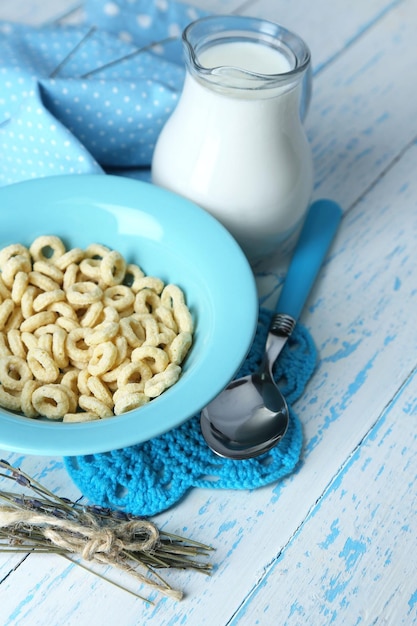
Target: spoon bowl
point(250, 416)
point(257, 412)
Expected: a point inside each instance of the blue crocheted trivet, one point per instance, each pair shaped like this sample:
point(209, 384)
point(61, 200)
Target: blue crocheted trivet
point(151, 477)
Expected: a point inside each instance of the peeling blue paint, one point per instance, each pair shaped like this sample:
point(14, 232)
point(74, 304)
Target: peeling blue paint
point(332, 536)
point(413, 600)
point(353, 550)
point(226, 526)
point(344, 352)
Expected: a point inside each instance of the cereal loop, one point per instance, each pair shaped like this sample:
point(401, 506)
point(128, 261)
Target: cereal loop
point(150, 282)
point(112, 374)
point(21, 281)
point(51, 401)
point(84, 293)
point(67, 324)
point(173, 298)
point(120, 297)
point(73, 256)
point(48, 329)
point(45, 342)
point(128, 389)
point(4, 291)
point(165, 317)
point(29, 340)
point(102, 333)
point(166, 336)
point(4, 345)
point(102, 359)
point(151, 330)
point(99, 390)
point(14, 372)
point(6, 310)
point(77, 349)
point(42, 365)
point(162, 381)
point(63, 309)
point(112, 268)
point(137, 373)
point(10, 400)
point(90, 268)
point(80, 417)
point(15, 319)
point(17, 347)
point(43, 282)
point(92, 315)
point(110, 314)
point(44, 300)
point(146, 301)
point(13, 266)
point(154, 357)
point(132, 277)
point(70, 276)
point(132, 329)
point(59, 351)
point(70, 379)
point(26, 398)
point(37, 320)
point(50, 270)
point(26, 304)
point(92, 405)
point(179, 347)
point(129, 402)
point(72, 398)
point(82, 380)
point(9, 252)
point(122, 349)
point(47, 248)
point(96, 251)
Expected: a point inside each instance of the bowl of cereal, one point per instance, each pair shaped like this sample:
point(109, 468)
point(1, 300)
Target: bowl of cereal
point(124, 310)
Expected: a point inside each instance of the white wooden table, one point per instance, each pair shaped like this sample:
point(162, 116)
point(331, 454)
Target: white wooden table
point(336, 542)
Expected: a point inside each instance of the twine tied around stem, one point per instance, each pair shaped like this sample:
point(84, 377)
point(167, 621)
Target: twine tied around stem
point(108, 546)
point(51, 524)
point(90, 541)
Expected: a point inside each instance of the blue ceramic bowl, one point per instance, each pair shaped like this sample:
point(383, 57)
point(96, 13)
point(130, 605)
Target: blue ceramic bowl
point(168, 237)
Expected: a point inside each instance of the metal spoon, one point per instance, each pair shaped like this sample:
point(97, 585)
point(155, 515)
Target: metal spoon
point(250, 415)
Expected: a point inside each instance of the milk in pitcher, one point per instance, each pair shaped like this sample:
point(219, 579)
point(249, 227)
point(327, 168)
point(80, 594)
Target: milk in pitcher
point(235, 144)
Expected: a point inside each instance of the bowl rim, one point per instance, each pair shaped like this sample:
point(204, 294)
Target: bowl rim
point(33, 436)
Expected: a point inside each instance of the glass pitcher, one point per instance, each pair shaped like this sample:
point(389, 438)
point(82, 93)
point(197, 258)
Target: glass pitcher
point(235, 144)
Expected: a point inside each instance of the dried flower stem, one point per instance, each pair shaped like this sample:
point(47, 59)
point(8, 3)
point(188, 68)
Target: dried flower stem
point(48, 523)
point(65, 60)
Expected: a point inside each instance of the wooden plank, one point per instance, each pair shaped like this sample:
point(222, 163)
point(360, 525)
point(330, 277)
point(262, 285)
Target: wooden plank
point(38, 12)
point(364, 111)
point(373, 257)
point(328, 29)
point(351, 561)
point(220, 7)
point(35, 12)
point(254, 528)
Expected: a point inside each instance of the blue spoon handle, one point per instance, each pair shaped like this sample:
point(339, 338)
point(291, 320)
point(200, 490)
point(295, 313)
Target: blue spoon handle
point(317, 234)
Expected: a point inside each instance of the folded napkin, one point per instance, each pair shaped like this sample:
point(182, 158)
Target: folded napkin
point(90, 98)
point(153, 476)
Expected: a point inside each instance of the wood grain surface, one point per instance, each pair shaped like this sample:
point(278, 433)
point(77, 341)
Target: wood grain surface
point(335, 542)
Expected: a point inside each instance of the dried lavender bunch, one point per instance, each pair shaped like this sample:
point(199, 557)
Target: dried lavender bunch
point(37, 520)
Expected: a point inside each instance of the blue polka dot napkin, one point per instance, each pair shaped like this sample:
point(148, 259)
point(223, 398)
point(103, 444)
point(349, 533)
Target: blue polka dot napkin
point(90, 98)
